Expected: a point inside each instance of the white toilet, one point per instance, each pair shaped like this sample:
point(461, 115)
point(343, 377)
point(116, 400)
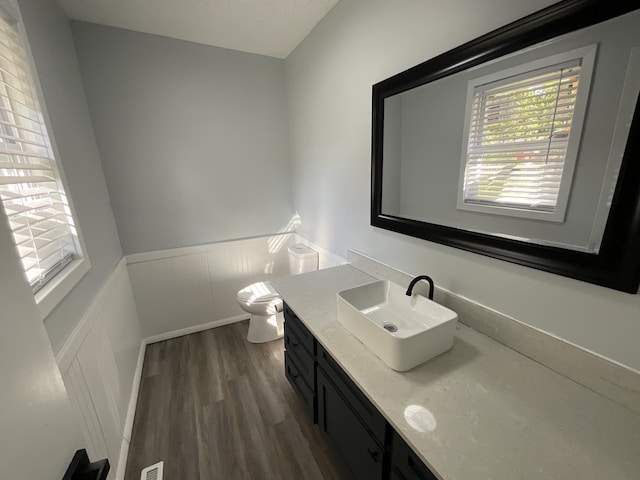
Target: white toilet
point(264, 304)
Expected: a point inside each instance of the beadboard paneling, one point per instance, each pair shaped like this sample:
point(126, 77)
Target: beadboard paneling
point(186, 287)
point(172, 293)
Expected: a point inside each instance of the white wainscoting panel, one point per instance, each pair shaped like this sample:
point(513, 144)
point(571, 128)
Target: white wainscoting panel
point(100, 374)
point(172, 293)
point(178, 289)
point(87, 417)
point(98, 363)
point(119, 319)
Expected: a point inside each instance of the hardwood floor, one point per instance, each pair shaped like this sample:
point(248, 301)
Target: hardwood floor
point(214, 406)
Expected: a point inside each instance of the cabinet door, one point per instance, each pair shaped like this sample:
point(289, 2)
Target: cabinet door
point(405, 464)
point(292, 322)
point(346, 435)
point(295, 378)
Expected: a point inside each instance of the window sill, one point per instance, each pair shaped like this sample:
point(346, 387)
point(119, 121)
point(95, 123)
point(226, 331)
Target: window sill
point(59, 287)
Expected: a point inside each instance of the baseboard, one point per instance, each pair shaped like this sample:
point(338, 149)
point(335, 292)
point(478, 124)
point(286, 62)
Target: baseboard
point(195, 329)
point(131, 413)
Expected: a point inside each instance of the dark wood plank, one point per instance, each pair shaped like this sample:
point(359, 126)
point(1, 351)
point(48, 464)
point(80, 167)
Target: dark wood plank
point(214, 406)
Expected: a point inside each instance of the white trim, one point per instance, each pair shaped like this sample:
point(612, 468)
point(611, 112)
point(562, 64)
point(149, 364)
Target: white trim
point(182, 251)
point(131, 413)
point(587, 55)
point(72, 345)
point(59, 287)
point(194, 329)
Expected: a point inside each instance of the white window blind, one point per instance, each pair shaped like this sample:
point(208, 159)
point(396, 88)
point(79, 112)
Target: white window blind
point(31, 191)
point(518, 137)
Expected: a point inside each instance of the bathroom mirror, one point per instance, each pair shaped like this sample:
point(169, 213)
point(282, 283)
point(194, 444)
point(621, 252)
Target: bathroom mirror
point(521, 145)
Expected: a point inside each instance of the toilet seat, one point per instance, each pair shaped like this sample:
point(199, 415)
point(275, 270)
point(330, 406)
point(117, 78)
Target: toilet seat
point(260, 299)
point(260, 292)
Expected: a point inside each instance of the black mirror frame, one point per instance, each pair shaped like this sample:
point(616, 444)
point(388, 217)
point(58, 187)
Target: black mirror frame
point(617, 265)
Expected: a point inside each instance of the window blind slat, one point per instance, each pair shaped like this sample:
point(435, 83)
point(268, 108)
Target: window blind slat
point(20, 128)
point(9, 139)
point(29, 250)
point(545, 115)
point(517, 148)
point(538, 93)
point(529, 79)
point(42, 229)
point(33, 217)
point(27, 179)
point(35, 123)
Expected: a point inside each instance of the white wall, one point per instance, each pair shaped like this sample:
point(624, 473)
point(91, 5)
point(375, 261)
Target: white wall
point(193, 138)
point(54, 55)
point(98, 365)
point(38, 433)
point(329, 78)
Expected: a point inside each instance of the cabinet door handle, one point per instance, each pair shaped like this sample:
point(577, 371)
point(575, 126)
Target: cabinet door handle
point(374, 454)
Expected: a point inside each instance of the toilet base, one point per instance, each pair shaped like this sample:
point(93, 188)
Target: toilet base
point(265, 328)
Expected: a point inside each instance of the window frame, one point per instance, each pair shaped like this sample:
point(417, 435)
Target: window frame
point(586, 56)
point(54, 291)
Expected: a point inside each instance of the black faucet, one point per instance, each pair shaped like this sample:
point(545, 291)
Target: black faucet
point(416, 280)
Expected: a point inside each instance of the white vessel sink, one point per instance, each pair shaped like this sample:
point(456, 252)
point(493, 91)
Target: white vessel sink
point(402, 331)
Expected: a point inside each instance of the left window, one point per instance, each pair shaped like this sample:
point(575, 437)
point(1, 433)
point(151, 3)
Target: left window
point(33, 196)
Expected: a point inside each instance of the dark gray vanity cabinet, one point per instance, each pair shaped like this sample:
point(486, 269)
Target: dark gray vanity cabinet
point(405, 464)
point(299, 361)
point(350, 424)
point(362, 440)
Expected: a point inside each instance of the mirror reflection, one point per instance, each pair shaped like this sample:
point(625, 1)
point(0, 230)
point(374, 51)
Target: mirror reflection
point(527, 146)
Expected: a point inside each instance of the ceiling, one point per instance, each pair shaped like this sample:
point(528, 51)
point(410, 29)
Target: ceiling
point(266, 27)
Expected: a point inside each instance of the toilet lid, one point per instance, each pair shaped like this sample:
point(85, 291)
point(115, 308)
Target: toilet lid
point(261, 292)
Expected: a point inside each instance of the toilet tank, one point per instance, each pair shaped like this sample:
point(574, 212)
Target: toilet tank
point(302, 259)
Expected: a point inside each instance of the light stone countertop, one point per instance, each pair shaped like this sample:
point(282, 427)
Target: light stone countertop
point(480, 411)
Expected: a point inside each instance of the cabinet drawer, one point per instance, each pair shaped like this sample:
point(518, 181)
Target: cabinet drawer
point(292, 322)
point(303, 360)
point(300, 386)
point(405, 464)
point(369, 415)
point(357, 451)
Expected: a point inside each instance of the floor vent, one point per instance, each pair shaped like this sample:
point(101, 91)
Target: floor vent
point(152, 472)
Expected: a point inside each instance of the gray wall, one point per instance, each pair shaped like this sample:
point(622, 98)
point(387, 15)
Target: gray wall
point(54, 55)
point(193, 138)
point(432, 140)
point(393, 156)
point(329, 78)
